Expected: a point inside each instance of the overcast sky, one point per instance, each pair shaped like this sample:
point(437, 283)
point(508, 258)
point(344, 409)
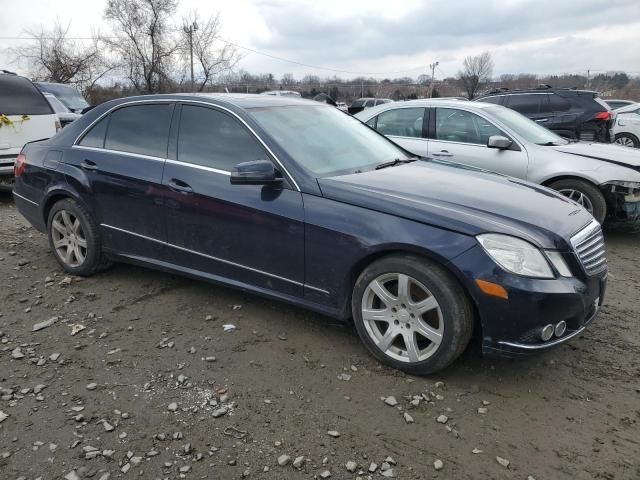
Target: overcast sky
point(391, 38)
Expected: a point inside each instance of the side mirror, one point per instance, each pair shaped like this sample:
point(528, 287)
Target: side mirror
point(499, 142)
point(259, 172)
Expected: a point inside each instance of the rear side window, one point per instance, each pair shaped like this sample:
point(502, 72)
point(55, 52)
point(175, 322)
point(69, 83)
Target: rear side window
point(558, 104)
point(95, 136)
point(498, 100)
point(141, 129)
point(214, 139)
point(401, 122)
point(525, 104)
point(18, 96)
point(358, 103)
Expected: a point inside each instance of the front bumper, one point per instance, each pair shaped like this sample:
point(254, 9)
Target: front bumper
point(511, 327)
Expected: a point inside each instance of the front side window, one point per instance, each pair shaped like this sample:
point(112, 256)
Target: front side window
point(141, 129)
point(324, 140)
point(455, 125)
point(525, 104)
point(401, 122)
point(214, 139)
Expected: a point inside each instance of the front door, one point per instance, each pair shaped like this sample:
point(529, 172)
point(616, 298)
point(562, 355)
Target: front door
point(461, 136)
point(245, 234)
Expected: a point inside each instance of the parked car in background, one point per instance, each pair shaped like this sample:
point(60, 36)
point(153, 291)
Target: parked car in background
point(617, 104)
point(574, 114)
point(626, 130)
point(68, 95)
point(282, 93)
point(25, 116)
point(364, 103)
point(64, 114)
point(342, 106)
point(605, 179)
point(296, 201)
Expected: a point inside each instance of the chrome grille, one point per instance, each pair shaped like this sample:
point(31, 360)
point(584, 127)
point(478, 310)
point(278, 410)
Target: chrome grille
point(589, 246)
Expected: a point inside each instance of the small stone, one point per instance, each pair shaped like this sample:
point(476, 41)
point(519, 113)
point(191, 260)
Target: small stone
point(388, 473)
point(92, 386)
point(72, 475)
point(210, 359)
point(439, 384)
point(476, 451)
point(298, 462)
point(219, 412)
point(44, 324)
point(351, 466)
point(17, 355)
point(333, 433)
point(172, 407)
point(408, 418)
point(125, 468)
point(107, 426)
point(284, 460)
point(438, 465)
point(185, 469)
point(442, 419)
point(482, 410)
point(38, 388)
point(54, 357)
point(373, 467)
point(531, 477)
point(325, 474)
point(503, 461)
point(3, 416)
point(390, 461)
point(391, 401)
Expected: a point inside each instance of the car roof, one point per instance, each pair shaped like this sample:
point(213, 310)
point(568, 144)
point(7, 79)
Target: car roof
point(628, 108)
point(425, 102)
point(507, 91)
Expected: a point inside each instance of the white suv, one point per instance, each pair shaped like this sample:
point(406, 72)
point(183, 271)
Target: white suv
point(25, 116)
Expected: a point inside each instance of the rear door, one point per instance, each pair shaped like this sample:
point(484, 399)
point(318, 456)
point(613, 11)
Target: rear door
point(461, 136)
point(25, 116)
point(249, 234)
point(405, 126)
point(122, 157)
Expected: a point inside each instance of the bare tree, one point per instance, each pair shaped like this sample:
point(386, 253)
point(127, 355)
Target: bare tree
point(54, 57)
point(476, 71)
point(212, 55)
point(143, 41)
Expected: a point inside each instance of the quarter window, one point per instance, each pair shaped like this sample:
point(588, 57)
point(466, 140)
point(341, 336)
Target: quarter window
point(455, 125)
point(214, 139)
point(526, 104)
point(141, 129)
point(95, 136)
point(401, 122)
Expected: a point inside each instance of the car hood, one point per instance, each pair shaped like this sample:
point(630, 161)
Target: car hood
point(463, 199)
point(607, 152)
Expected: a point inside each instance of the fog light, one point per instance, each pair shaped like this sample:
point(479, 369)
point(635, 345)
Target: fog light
point(561, 327)
point(547, 332)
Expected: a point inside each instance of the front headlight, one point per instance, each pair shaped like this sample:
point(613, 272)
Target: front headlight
point(623, 184)
point(516, 255)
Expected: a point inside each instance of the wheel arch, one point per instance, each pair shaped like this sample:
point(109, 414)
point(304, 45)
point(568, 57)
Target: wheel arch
point(568, 176)
point(53, 196)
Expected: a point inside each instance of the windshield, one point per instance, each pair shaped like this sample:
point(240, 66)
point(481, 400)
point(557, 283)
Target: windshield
point(325, 140)
point(69, 96)
point(527, 129)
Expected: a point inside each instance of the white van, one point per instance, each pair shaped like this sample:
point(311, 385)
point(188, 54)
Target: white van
point(25, 116)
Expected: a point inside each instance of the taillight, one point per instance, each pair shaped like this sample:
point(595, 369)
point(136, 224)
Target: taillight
point(603, 116)
point(20, 165)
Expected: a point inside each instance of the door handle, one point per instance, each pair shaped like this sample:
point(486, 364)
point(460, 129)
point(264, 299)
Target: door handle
point(88, 165)
point(180, 186)
point(442, 153)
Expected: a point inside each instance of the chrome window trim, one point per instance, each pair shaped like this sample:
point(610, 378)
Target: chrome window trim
point(185, 101)
point(222, 260)
point(199, 167)
point(119, 152)
point(24, 198)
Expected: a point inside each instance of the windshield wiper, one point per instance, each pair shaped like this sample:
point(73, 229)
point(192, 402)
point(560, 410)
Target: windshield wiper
point(395, 162)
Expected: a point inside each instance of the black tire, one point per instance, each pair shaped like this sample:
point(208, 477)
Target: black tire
point(630, 137)
point(94, 260)
point(454, 303)
point(589, 190)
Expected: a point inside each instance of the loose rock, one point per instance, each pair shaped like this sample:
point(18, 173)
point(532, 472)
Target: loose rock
point(503, 461)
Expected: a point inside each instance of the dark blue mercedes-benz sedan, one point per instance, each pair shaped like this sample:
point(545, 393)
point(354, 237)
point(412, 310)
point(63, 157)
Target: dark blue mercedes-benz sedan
point(300, 202)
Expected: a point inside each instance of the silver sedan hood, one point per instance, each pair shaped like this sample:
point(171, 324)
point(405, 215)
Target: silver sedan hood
point(616, 154)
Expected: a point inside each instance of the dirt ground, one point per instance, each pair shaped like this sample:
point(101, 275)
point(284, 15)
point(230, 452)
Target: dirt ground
point(138, 378)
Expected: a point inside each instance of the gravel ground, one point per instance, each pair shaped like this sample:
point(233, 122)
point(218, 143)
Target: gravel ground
point(138, 378)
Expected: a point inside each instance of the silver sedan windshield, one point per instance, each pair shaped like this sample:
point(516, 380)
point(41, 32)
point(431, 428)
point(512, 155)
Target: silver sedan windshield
point(527, 129)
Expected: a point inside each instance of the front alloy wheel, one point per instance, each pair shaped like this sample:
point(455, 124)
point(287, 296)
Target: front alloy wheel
point(411, 313)
point(402, 317)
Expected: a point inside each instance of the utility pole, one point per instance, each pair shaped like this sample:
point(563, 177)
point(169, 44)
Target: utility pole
point(189, 29)
point(432, 66)
point(588, 79)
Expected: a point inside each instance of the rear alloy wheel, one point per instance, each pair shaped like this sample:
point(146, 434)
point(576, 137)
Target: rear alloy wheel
point(411, 314)
point(74, 240)
point(627, 140)
point(585, 194)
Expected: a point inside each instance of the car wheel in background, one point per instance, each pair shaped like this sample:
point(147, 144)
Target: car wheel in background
point(73, 237)
point(585, 194)
point(411, 314)
point(627, 140)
